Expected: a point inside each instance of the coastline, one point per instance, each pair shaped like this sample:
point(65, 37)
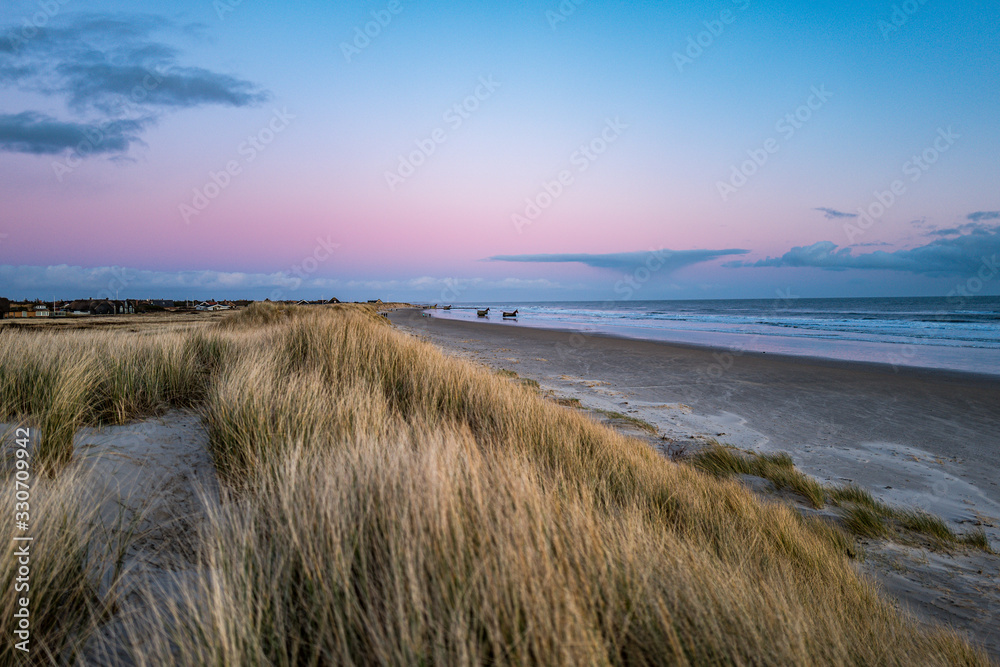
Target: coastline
point(694, 366)
point(914, 438)
point(834, 417)
point(896, 356)
point(770, 402)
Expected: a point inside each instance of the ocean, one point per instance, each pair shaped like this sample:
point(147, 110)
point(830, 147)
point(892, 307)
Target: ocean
point(961, 333)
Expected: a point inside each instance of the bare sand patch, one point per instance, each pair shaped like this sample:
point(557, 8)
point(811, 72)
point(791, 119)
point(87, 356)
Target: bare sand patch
point(154, 481)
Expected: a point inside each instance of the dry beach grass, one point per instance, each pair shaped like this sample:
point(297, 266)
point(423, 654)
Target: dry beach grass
point(387, 504)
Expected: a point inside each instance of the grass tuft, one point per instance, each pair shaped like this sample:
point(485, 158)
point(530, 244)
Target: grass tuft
point(630, 420)
point(778, 468)
point(866, 522)
point(977, 539)
point(567, 402)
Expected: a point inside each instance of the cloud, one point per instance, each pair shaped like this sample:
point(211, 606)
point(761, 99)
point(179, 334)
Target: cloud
point(454, 285)
point(108, 87)
point(979, 216)
point(66, 281)
point(34, 133)
point(97, 281)
point(967, 228)
point(655, 260)
point(962, 255)
point(830, 213)
point(108, 69)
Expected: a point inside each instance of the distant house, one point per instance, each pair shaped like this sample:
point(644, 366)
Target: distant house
point(31, 311)
point(211, 306)
point(162, 303)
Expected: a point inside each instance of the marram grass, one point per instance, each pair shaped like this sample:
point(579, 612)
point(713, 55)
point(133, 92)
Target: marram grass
point(388, 504)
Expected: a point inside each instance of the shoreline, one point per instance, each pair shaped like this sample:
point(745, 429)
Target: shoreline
point(740, 348)
point(843, 422)
point(915, 439)
point(832, 362)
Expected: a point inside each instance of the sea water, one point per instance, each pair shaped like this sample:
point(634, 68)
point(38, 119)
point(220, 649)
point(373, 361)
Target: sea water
point(960, 334)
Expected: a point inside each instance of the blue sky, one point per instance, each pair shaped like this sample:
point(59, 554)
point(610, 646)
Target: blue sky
point(524, 151)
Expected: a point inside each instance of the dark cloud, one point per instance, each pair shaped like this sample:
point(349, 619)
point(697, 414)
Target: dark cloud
point(104, 86)
point(962, 255)
point(967, 228)
point(659, 260)
point(830, 213)
point(38, 134)
point(979, 216)
point(113, 73)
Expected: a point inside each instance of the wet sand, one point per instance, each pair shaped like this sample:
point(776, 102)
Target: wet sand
point(914, 438)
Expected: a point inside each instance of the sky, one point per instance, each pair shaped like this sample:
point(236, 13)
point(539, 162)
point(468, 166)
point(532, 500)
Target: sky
point(440, 151)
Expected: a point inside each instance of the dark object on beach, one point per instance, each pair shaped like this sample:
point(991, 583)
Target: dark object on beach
point(506, 314)
point(482, 313)
point(446, 308)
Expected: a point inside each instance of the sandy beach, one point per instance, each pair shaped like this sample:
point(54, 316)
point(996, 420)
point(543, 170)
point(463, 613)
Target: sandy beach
point(914, 438)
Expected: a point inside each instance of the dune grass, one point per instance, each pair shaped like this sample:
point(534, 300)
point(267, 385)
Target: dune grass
point(778, 468)
point(61, 381)
point(389, 504)
point(71, 584)
point(877, 519)
point(864, 516)
point(640, 424)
